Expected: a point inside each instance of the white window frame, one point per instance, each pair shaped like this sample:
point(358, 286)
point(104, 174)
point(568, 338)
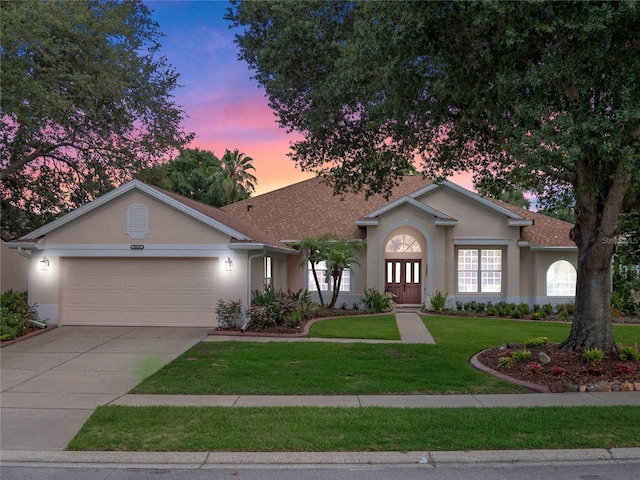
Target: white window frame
point(325, 280)
point(476, 270)
point(563, 281)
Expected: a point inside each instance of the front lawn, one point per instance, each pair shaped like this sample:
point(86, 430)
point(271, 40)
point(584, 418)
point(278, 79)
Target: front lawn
point(275, 429)
point(372, 327)
point(307, 368)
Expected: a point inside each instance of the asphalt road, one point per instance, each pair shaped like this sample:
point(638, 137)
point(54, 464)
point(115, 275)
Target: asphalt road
point(629, 470)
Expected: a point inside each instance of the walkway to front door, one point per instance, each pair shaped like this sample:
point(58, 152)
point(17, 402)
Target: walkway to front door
point(403, 278)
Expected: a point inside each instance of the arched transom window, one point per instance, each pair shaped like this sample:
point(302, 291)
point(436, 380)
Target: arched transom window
point(403, 244)
point(561, 279)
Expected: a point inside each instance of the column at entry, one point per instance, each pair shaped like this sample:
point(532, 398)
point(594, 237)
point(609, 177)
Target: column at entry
point(403, 278)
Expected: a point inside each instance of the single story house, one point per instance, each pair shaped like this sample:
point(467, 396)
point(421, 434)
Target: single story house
point(140, 255)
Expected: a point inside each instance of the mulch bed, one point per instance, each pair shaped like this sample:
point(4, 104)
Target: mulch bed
point(576, 372)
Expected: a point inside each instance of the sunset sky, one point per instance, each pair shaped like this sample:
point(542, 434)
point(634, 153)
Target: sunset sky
point(226, 108)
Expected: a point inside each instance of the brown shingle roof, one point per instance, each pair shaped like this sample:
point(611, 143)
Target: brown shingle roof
point(309, 209)
point(545, 231)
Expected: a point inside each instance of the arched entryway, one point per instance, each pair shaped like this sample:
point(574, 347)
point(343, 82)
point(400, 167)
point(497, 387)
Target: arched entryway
point(403, 266)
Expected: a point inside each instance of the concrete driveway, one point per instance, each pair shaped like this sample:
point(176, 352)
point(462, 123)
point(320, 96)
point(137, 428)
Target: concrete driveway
point(51, 383)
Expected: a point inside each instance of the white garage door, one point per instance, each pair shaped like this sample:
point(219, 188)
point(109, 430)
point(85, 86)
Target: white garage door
point(139, 291)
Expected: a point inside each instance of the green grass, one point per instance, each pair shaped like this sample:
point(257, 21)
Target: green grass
point(117, 428)
point(375, 327)
point(308, 368)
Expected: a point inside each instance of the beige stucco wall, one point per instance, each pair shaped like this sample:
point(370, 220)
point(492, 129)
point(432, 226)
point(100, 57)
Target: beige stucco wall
point(14, 270)
point(108, 225)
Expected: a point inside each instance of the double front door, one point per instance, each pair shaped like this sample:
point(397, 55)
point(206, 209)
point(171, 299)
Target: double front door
point(403, 278)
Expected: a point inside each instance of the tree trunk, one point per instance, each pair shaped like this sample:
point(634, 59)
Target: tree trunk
point(595, 232)
point(592, 324)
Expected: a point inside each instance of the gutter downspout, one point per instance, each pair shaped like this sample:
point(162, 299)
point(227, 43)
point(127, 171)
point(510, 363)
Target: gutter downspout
point(249, 272)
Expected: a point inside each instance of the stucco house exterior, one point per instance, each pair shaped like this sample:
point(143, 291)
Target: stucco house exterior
point(140, 255)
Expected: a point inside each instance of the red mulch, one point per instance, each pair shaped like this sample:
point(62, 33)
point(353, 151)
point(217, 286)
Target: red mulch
point(576, 372)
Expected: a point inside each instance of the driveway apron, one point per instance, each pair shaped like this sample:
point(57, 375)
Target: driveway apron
point(51, 383)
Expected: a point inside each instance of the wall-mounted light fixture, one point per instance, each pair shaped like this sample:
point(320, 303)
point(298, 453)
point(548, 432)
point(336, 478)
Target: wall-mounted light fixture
point(44, 264)
point(228, 264)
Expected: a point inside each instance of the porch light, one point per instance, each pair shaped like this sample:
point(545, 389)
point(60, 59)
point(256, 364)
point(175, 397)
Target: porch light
point(228, 264)
point(44, 264)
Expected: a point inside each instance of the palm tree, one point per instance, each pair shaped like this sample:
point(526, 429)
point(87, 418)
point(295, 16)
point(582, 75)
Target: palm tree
point(311, 247)
point(339, 255)
point(236, 183)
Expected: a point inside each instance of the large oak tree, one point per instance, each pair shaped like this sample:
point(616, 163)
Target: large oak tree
point(541, 94)
point(85, 101)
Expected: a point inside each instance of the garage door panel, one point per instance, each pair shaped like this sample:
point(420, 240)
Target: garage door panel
point(151, 291)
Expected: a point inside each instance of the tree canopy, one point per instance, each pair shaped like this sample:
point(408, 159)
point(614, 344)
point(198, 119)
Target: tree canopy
point(200, 175)
point(85, 101)
point(543, 94)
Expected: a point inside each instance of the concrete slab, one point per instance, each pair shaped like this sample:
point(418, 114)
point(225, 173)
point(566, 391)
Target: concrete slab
point(418, 401)
point(176, 400)
point(64, 401)
point(618, 398)
point(537, 400)
point(34, 360)
point(116, 362)
point(412, 329)
point(10, 378)
point(36, 429)
point(79, 382)
point(155, 345)
point(298, 401)
point(48, 344)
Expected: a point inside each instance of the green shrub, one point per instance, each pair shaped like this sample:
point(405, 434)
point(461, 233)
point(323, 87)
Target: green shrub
point(439, 301)
point(505, 362)
point(491, 311)
point(536, 342)
point(229, 313)
point(629, 353)
point(272, 308)
point(15, 314)
point(378, 301)
point(516, 313)
point(547, 309)
point(521, 355)
point(593, 356)
point(524, 308)
point(459, 305)
point(536, 316)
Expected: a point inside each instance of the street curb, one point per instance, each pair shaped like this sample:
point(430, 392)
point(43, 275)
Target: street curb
point(196, 460)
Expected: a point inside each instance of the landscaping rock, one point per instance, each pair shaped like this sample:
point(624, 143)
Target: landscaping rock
point(571, 388)
point(627, 387)
point(599, 387)
point(544, 358)
point(615, 387)
point(582, 389)
point(636, 386)
point(557, 388)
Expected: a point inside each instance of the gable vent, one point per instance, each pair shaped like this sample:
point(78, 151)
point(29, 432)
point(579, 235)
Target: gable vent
point(137, 221)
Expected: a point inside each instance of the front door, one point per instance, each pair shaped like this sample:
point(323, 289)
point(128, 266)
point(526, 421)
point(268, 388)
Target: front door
point(403, 279)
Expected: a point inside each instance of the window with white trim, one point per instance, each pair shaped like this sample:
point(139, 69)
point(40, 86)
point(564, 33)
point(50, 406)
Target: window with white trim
point(479, 270)
point(137, 221)
point(325, 280)
point(403, 244)
point(561, 279)
point(268, 271)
